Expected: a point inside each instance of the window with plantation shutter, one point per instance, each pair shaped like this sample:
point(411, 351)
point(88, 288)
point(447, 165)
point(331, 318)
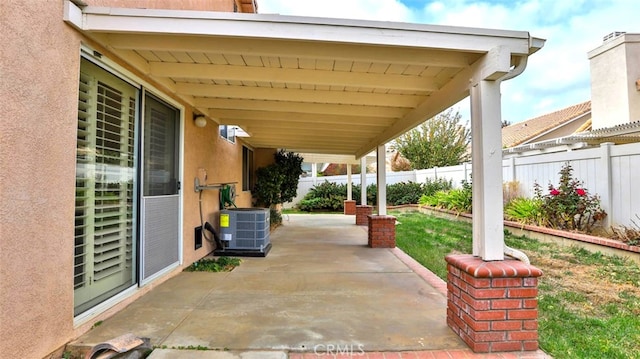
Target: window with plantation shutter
point(104, 258)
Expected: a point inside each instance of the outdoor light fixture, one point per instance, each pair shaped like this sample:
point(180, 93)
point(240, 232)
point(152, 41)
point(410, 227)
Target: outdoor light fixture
point(200, 120)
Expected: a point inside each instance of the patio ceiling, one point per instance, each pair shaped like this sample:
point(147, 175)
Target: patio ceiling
point(305, 84)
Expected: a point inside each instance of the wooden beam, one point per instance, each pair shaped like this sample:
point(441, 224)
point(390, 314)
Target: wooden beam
point(291, 49)
point(299, 95)
point(295, 107)
point(294, 76)
point(237, 116)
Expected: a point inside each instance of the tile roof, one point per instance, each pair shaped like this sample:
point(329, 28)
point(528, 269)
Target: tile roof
point(520, 132)
point(624, 128)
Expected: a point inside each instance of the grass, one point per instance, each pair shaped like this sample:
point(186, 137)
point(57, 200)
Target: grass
point(222, 264)
point(588, 303)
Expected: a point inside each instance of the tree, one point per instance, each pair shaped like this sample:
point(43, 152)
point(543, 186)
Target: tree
point(337, 169)
point(399, 163)
point(438, 142)
point(278, 182)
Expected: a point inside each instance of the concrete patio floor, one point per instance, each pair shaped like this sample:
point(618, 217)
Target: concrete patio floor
point(319, 289)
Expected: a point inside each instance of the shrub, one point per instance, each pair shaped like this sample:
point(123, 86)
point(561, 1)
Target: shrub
point(569, 206)
point(278, 182)
point(404, 193)
point(460, 199)
point(438, 199)
point(457, 200)
point(326, 196)
point(329, 196)
point(275, 217)
point(628, 235)
point(372, 194)
point(510, 191)
point(524, 210)
point(433, 186)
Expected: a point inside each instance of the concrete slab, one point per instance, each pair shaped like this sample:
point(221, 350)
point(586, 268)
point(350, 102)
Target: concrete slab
point(213, 354)
point(320, 286)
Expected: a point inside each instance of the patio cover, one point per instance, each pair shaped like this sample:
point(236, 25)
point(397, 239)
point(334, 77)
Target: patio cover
point(316, 85)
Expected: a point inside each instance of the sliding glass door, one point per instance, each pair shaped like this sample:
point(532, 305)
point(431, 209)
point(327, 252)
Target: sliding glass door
point(105, 220)
point(161, 187)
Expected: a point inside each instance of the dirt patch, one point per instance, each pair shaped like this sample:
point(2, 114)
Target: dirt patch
point(588, 288)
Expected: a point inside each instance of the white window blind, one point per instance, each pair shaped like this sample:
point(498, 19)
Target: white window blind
point(104, 218)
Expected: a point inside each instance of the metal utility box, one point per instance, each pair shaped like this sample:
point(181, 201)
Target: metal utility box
point(245, 230)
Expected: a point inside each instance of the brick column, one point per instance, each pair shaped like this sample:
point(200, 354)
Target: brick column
point(382, 231)
point(362, 212)
point(493, 306)
point(349, 207)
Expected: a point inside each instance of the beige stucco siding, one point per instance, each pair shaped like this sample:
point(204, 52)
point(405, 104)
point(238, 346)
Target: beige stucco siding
point(615, 68)
point(40, 69)
point(205, 5)
point(207, 152)
point(40, 59)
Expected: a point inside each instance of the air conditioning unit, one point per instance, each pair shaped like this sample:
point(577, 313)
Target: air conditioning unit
point(244, 232)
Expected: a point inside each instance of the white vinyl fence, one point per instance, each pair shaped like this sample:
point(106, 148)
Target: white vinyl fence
point(610, 171)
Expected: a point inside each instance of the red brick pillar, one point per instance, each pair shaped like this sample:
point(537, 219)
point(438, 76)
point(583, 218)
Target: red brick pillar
point(493, 306)
point(362, 212)
point(382, 231)
point(349, 207)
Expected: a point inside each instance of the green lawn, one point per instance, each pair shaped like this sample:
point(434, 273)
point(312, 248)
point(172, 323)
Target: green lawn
point(589, 303)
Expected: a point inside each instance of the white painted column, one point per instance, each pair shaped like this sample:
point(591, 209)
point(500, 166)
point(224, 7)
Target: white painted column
point(349, 183)
point(381, 173)
point(363, 181)
point(486, 176)
point(512, 165)
point(314, 173)
point(603, 181)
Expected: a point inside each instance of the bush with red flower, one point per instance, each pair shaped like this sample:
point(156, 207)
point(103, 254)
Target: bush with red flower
point(569, 206)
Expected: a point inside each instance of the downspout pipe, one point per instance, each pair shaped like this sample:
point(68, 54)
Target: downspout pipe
point(521, 64)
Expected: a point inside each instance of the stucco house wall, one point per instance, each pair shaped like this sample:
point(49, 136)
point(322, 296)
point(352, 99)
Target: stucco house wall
point(40, 72)
point(210, 5)
point(615, 70)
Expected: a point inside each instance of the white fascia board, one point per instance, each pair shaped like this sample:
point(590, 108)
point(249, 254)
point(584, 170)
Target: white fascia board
point(72, 15)
point(328, 158)
point(183, 22)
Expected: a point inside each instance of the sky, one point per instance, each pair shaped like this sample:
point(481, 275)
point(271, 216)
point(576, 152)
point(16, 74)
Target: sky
point(556, 77)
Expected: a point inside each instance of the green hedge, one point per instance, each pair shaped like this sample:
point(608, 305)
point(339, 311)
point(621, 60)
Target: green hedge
point(329, 196)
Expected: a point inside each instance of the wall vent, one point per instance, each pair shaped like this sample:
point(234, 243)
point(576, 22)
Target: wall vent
point(197, 235)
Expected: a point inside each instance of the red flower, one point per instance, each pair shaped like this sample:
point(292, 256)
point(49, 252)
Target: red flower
point(581, 192)
point(554, 192)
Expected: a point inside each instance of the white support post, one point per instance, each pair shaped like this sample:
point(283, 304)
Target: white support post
point(603, 179)
point(381, 173)
point(512, 165)
point(363, 181)
point(349, 183)
point(314, 173)
point(465, 168)
point(488, 227)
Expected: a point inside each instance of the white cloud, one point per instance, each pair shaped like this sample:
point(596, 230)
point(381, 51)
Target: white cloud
point(556, 77)
point(381, 10)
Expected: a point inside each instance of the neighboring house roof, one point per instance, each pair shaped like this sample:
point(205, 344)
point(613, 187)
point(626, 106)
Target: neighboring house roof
point(582, 138)
point(631, 128)
point(527, 131)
